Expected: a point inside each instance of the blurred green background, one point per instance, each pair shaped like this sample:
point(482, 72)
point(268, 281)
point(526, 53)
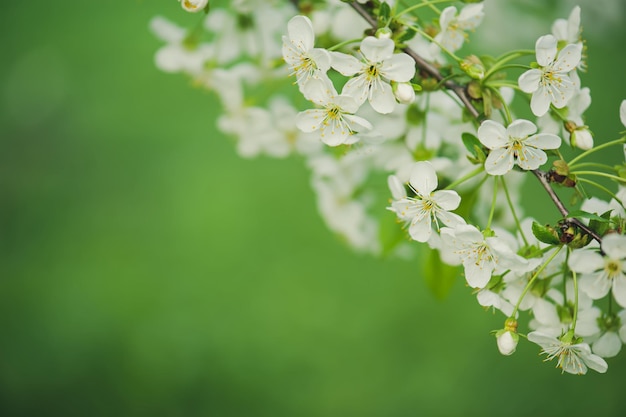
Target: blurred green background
point(147, 270)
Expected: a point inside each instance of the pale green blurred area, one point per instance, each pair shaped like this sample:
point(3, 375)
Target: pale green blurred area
point(147, 270)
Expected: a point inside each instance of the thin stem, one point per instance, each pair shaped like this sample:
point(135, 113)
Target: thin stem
point(503, 67)
point(575, 318)
point(344, 43)
point(423, 4)
point(601, 174)
point(502, 61)
point(493, 202)
point(591, 165)
point(430, 38)
point(512, 207)
point(466, 177)
point(597, 148)
point(603, 188)
point(507, 112)
point(531, 281)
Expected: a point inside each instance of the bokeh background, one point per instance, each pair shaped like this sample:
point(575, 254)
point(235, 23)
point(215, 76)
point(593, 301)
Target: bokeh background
point(147, 270)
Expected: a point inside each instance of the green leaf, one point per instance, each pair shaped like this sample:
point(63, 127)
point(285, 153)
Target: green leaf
point(546, 234)
point(384, 13)
point(390, 233)
point(471, 142)
point(601, 227)
point(591, 216)
point(439, 277)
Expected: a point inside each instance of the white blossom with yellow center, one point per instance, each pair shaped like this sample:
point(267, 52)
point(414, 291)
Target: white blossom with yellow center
point(601, 274)
point(428, 206)
point(305, 61)
point(515, 144)
point(552, 82)
point(379, 66)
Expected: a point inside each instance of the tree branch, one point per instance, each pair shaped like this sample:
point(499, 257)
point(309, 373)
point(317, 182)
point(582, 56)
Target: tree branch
point(461, 92)
point(543, 179)
point(425, 66)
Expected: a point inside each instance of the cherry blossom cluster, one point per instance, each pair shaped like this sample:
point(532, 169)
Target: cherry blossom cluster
point(375, 92)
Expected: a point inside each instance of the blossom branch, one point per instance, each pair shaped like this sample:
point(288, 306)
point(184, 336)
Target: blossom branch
point(543, 179)
point(461, 92)
point(427, 67)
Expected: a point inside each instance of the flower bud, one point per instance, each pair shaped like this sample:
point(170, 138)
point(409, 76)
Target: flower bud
point(384, 33)
point(194, 5)
point(507, 341)
point(473, 67)
point(404, 92)
point(581, 138)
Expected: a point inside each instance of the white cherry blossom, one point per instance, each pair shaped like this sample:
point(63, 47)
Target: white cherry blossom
point(479, 255)
point(193, 6)
point(453, 27)
point(335, 122)
point(573, 358)
point(568, 30)
point(379, 66)
point(428, 205)
point(552, 82)
point(515, 144)
point(305, 61)
point(622, 112)
point(600, 274)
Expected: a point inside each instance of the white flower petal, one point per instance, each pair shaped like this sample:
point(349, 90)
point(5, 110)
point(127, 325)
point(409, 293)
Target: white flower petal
point(396, 187)
point(447, 199)
point(608, 345)
point(529, 81)
point(622, 112)
point(595, 286)
point(310, 120)
point(521, 128)
point(399, 67)
point(614, 246)
point(421, 230)
point(492, 134)
point(569, 58)
point(531, 158)
point(377, 49)
point(619, 290)
point(499, 162)
point(478, 275)
point(544, 141)
point(383, 100)
point(345, 64)
point(423, 178)
point(585, 261)
point(540, 101)
point(300, 32)
point(545, 48)
point(446, 17)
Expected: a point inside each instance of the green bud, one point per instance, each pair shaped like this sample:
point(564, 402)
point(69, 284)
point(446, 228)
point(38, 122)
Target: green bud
point(384, 33)
point(546, 234)
point(473, 67)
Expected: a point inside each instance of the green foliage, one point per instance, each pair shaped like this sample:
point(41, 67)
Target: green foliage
point(546, 234)
point(439, 277)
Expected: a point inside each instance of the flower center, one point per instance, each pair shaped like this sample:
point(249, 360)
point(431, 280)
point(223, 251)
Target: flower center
point(613, 268)
point(372, 72)
point(333, 113)
point(550, 77)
